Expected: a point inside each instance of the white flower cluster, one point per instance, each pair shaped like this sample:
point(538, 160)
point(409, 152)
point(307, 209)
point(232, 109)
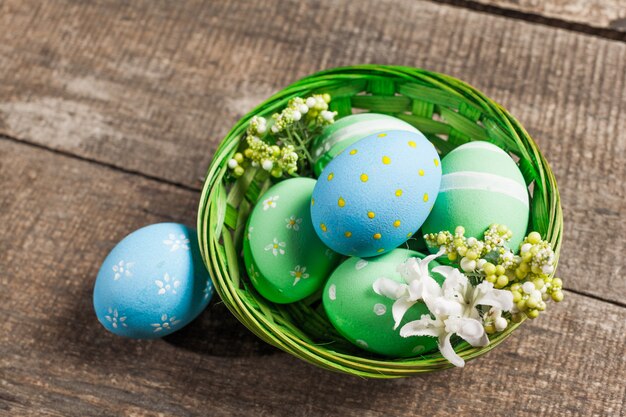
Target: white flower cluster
point(279, 145)
point(314, 108)
point(456, 307)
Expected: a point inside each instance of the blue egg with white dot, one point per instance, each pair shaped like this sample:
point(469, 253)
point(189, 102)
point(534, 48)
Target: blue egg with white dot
point(376, 193)
point(152, 283)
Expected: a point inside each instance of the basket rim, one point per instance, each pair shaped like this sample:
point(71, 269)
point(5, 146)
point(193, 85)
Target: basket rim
point(213, 234)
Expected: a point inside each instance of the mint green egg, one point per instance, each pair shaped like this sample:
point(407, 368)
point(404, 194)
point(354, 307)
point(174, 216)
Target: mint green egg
point(364, 317)
point(284, 258)
point(481, 185)
point(347, 130)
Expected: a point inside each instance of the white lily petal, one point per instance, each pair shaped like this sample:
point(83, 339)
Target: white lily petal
point(425, 326)
point(442, 306)
point(445, 347)
point(444, 270)
point(415, 289)
point(489, 296)
point(399, 308)
point(389, 288)
point(434, 256)
point(455, 280)
point(423, 263)
point(410, 270)
point(470, 330)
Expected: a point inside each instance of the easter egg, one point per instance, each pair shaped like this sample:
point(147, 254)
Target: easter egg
point(152, 283)
point(347, 130)
point(364, 317)
point(376, 194)
point(284, 258)
point(481, 185)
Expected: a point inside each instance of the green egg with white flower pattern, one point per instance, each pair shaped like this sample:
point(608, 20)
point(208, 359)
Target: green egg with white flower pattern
point(284, 258)
point(364, 317)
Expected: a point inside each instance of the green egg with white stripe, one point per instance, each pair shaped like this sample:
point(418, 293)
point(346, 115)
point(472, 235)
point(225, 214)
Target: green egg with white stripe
point(481, 185)
point(347, 130)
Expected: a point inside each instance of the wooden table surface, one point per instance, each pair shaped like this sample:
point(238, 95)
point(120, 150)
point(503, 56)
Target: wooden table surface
point(109, 115)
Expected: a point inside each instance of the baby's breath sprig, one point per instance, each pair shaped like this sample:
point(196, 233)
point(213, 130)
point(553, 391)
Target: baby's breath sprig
point(280, 144)
point(527, 275)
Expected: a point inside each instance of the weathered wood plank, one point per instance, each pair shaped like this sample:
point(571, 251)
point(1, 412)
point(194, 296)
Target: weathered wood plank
point(60, 216)
point(604, 14)
point(152, 86)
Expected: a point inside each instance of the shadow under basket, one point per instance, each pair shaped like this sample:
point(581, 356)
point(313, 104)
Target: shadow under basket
point(450, 113)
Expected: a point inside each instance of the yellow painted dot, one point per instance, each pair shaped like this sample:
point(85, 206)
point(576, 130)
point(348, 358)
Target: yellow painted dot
point(312, 201)
point(377, 236)
point(421, 172)
point(353, 152)
point(396, 223)
point(436, 162)
point(364, 177)
point(331, 176)
point(386, 160)
point(371, 214)
point(398, 192)
point(412, 144)
point(341, 202)
point(348, 234)
point(382, 135)
point(381, 250)
point(323, 227)
point(425, 197)
point(409, 234)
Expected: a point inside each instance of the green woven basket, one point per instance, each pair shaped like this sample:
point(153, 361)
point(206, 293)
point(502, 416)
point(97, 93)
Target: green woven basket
point(449, 112)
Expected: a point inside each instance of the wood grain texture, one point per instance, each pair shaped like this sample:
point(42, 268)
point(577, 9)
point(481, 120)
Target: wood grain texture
point(62, 216)
point(152, 87)
point(605, 14)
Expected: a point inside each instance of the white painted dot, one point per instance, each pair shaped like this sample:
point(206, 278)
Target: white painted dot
point(332, 292)
point(362, 343)
point(418, 349)
point(380, 309)
point(361, 263)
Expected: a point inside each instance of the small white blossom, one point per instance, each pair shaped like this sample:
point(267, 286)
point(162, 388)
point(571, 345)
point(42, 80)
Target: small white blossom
point(276, 247)
point(299, 272)
point(122, 269)
point(467, 265)
point(328, 115)
point(293, 223)
point(267, 165)
point(177, 242)
point(494, 317)
point(168, 284)
point(165, 324)
point(270, 202)
point(115, 318)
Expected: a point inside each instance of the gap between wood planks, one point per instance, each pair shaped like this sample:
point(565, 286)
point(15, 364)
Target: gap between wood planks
point(102, 163)
point(198, 189)
point(536, 18)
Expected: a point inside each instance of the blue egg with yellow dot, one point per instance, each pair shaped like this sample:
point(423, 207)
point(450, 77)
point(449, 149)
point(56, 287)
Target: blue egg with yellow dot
point(376, 193)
